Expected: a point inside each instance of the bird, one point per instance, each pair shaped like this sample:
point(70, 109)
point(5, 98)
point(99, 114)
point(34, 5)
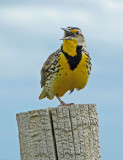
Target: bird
point(68, 68)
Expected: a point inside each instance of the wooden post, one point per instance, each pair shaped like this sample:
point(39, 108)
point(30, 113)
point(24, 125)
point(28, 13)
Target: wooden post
point(61, 133)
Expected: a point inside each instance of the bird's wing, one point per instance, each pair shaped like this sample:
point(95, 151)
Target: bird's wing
point(45, 71)
point(89, 61)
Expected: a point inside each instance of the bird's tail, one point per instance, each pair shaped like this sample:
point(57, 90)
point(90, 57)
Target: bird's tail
point(43, 94)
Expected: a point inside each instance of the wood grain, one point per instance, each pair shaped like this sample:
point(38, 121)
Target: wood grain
point(61, 133)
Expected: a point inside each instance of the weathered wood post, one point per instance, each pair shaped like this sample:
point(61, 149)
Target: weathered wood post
point(61, 133)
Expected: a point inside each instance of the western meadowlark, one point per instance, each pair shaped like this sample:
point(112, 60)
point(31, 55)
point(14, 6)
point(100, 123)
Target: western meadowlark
point(67, 68)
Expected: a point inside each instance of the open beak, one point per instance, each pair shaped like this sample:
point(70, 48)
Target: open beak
point(67, 34)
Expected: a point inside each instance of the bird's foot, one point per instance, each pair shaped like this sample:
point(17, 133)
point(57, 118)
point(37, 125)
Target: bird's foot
point(63, 103)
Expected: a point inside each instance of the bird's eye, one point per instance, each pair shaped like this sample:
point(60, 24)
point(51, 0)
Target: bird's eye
point(77, 32)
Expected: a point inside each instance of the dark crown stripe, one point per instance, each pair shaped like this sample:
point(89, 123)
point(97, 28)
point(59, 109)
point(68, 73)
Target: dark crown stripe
point(73, 28)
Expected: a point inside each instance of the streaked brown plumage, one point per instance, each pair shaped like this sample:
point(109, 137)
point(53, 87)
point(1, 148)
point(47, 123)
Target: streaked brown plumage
point(67, 68)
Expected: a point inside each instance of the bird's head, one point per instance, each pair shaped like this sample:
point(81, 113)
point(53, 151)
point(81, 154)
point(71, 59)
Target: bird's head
point(74, 34)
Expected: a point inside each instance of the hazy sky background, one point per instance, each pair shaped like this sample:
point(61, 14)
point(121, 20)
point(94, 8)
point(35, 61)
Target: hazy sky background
point(29, 33)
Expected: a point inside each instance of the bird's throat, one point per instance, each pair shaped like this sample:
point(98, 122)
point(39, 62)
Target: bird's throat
point(69, 46)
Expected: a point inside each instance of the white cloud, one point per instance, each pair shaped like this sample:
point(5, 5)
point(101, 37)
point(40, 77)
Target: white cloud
point(26, 15)
point(114, 6)
point(33, 18)
point(41, 20)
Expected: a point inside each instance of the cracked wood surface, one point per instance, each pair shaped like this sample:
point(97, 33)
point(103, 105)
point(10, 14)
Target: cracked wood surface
point(61, 133)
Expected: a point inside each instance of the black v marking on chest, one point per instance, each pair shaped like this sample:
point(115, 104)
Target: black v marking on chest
point(73, 61)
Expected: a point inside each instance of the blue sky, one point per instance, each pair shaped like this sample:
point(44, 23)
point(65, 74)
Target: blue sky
point(29, 33)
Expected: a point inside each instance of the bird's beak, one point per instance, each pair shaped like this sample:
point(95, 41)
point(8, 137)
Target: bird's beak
point(68, 34)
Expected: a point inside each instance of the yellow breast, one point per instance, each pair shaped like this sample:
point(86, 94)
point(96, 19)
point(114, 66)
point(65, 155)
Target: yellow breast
point(68, 79)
